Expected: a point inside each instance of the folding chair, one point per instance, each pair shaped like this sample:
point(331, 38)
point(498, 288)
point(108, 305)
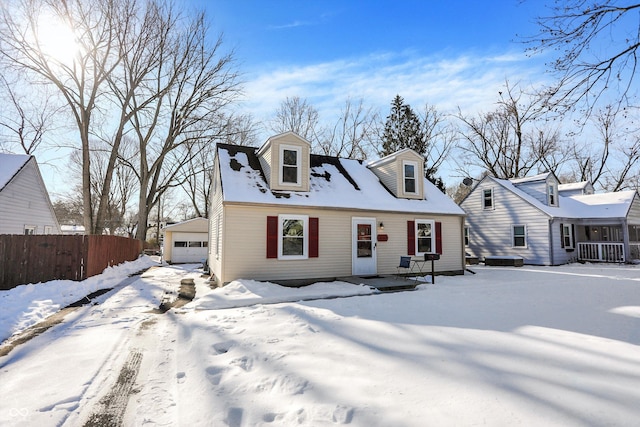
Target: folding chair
point(405, 263)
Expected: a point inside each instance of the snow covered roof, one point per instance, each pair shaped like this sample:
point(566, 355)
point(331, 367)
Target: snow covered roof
point(573, 186)
point(10, 165)
point(605, 205)
point(194, 224)
point(334, 182)
point(540, 177)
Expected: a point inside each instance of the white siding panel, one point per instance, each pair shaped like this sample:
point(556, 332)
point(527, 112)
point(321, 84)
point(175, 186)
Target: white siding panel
point(24, 201)
point(245, 244)
point(491, 229)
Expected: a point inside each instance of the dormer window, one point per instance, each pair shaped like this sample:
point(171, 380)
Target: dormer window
point(290, 170)
point(409, 169)
point(552, 194)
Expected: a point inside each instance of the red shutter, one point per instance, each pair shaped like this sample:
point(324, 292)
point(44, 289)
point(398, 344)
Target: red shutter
point(411, 237)
point(272, 237)
point(439, 238)
point(313, 238)
point(561, 235)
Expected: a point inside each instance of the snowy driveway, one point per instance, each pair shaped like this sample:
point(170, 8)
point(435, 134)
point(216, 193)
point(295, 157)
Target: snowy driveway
point(528, 346)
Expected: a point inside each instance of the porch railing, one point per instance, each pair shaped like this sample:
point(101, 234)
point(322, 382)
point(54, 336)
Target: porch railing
point(601, 251)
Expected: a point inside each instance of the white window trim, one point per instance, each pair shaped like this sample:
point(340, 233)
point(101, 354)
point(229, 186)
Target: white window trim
point(466, 236)
point(30, 227)
point(415, 177)
point(493, 203)
point(569, 234)
point(305, 239)
point(433, 235)
point(513, 236)
point(298, 151)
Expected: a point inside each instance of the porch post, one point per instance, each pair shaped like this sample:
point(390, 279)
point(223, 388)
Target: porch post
point(625, 238)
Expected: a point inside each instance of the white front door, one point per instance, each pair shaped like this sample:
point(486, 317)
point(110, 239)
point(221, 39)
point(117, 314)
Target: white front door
point(364, 261)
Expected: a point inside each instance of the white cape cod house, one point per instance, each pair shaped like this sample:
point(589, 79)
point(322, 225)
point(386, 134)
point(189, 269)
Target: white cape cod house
point(281, 213)
point(25, 207)
point(547, 223)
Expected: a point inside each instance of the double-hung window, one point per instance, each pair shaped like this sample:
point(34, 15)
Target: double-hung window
point(410, 178)
point(425, 236)
point(290, 167)
point(519, 236)
point(552, 193)
point(567, 236)
point(487, 198)
point(293, 232)
point(29, 230)
point(466, 236)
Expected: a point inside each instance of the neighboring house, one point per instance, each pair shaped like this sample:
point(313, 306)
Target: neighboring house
point(279, 212)
point(25, 207)
point(186, 241)
point(72, 230)
point(547, 223)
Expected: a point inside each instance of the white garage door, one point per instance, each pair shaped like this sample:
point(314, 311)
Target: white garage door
point(189, 247)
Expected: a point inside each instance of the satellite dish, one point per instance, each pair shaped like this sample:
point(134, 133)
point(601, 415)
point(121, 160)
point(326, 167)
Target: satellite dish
point(467, 181)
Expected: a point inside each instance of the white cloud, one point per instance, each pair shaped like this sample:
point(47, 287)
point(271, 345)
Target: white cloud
point(468, 81)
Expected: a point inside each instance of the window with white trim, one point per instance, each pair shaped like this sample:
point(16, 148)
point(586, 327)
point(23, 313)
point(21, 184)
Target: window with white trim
point(293, 234)
point(425, 236)
point(466, 236)
point(552, 195)
point(29, 230)
point(519, 236)
point(290, 165)
point(567, 236)
point(487, 198)
point(409, 171)
point(218, 239)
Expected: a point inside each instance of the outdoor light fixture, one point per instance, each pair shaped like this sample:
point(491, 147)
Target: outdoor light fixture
point(381, 226)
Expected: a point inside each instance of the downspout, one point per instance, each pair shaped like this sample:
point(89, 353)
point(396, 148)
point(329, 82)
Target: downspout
point(551, 254)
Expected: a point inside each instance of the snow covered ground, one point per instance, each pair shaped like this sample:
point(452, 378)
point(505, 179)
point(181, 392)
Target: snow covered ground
point(529, 346)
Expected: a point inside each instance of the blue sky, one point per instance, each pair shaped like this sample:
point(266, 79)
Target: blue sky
point(446, 53)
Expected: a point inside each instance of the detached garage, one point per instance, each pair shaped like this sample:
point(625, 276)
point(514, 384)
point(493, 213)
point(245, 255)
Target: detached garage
point(186, 242)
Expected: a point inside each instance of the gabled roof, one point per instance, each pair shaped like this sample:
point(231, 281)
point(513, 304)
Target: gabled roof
point(195, 225)
point(392, 157)
point(334, 183)
point(539, 177)
point(606, 205)
point(572, 186)
point(10, 165)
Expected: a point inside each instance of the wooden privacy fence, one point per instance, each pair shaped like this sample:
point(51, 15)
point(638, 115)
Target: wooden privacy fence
point(40, 258)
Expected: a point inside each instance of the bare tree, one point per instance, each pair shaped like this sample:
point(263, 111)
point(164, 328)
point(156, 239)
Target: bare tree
point(611, 162)
point(26, 119)
point(597, 52)
point(185, 83)
point(297, 115)
point(511, 141)
point(80, 80)
point(440, 138)
point(353, 135)
point(139, 68)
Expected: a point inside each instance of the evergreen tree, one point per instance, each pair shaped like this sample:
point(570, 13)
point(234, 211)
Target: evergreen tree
point(404, 129)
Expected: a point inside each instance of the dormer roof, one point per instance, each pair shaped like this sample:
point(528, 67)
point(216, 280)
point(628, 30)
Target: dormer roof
point(334, 183)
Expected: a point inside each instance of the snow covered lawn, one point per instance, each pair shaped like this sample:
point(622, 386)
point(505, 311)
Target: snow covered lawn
point(529, 346)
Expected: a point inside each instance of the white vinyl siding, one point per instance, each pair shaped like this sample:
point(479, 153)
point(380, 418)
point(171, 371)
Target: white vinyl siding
point(248, 223)
point(492, 228)
point(24, 202)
